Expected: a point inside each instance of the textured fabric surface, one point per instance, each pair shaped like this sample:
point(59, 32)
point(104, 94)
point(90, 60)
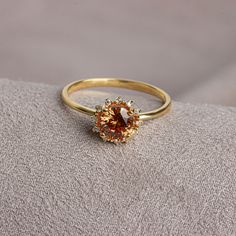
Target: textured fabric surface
point(177, 177)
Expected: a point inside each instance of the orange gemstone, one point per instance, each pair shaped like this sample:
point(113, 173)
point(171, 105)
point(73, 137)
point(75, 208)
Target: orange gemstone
point(117, 121)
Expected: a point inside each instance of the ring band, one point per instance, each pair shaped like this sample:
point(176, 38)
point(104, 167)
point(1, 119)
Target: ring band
point(109, 115)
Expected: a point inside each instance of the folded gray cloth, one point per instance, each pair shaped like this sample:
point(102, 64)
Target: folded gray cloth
point(176, 177)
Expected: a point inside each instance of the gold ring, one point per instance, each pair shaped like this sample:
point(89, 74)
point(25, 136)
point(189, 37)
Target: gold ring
point(116, 120)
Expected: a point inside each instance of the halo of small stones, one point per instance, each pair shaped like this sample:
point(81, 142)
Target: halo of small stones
point(105, 113)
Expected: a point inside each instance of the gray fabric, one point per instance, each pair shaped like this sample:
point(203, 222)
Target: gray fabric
point(177, 177)
point(220, 89)
point(177, 45)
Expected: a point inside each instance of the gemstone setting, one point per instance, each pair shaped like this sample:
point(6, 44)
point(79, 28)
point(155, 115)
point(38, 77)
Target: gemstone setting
point(116, 121)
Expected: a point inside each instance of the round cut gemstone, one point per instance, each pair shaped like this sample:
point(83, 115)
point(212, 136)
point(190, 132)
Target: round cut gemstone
point(116, 121)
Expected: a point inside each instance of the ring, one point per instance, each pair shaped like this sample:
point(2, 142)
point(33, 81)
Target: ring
point(116, 120)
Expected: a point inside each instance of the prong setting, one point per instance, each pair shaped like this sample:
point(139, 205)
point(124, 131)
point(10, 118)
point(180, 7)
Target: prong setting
point(130, 103)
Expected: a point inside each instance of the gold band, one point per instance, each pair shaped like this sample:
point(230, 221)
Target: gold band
point(120, 83)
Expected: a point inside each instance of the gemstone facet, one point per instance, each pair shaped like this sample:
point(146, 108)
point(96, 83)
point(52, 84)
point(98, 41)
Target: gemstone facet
point(116, 121)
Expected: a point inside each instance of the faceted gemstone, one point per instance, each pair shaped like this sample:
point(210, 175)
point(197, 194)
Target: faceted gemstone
point(117, 121)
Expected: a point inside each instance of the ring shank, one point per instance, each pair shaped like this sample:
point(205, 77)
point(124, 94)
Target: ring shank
point(120, 83)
